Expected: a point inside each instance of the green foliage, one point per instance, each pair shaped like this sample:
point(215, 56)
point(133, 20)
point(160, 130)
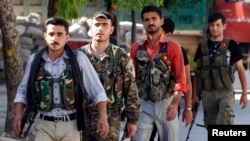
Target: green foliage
point(70, 9)
point(136, 4)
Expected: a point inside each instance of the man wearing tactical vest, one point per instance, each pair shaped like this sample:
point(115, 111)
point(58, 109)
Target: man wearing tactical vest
point(168, 28)
point(116, 72)
point(161, 78)
point(54, 85)
point(217, 59)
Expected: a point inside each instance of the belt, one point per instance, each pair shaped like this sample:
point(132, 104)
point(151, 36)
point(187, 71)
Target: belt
point(60, 118)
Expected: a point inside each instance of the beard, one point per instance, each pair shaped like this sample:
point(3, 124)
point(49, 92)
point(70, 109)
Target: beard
point(153, 31)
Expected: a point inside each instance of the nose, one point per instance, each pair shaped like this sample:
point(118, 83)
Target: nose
point(54, 38)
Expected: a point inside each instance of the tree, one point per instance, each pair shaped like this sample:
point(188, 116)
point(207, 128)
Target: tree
point(12, 57)
point(68, 9)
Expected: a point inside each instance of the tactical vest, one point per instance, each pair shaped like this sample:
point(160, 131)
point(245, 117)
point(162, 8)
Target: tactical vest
point(110, 71)
point(44, 88)
point(155, 79)
point(214, 70)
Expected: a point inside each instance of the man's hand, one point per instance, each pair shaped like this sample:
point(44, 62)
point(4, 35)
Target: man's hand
point(102, 127)
point(19, 108)
point(172, 112)
point(131, 130)
point(17, 123)
point(188, 116)
point(243, 101)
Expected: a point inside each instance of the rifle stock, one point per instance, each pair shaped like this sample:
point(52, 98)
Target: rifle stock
point(29, 116)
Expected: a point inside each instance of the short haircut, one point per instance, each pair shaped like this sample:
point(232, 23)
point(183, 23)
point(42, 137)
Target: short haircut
point(216, 16)
point(168, 25)
point(57, 21)
point(151, 8)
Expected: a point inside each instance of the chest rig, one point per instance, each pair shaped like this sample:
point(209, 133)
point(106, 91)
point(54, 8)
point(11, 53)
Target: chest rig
point(214, 69)
point(110, 71)
point(44, 88)
point(155, 79)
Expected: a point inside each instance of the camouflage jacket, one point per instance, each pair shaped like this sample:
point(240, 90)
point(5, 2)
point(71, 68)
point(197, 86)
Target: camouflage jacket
point(117, 74)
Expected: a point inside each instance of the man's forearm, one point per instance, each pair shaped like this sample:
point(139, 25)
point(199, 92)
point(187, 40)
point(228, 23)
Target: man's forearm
point(102, 109)
point(188, 94)
point(176, 98)
point(19, 108)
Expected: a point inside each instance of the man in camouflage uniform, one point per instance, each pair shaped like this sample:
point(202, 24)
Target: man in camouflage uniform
point(116, 72)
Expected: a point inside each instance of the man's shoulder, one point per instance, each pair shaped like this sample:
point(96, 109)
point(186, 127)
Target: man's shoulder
point(173, 44)
point(122, 52)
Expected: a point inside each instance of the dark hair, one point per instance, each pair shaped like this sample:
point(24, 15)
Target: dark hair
point(216, 16)
point(151, 8)
point(57, 21)
point(168, 25)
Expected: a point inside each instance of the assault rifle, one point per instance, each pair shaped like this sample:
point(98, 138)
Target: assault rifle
point(123, 119)
point(194, 109)
point(27, 117)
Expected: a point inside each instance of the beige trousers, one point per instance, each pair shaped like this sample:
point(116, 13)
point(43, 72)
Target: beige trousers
point(56, 131)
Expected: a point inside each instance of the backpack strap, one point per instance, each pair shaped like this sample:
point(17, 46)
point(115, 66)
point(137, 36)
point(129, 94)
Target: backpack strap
point(204, 47)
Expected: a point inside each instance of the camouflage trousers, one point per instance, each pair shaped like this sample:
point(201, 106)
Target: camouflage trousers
point(114, 120)
point(218, 107)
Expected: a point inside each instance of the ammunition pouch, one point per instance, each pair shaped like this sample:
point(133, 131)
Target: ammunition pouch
point(67, 89)
point(216, 77)
point(44, 95)
point(118, 89)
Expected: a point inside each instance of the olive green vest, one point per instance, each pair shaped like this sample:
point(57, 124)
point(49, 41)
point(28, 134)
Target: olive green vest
point(155, 80)
point(214, 71)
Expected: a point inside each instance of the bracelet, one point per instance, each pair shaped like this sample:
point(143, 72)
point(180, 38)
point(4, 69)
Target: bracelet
point(189, 109)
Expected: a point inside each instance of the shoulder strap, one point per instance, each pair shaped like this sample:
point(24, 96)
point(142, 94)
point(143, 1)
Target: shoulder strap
point(204, 47)
point(142, 45)
point(164, 48)
point(224, 44)
point(116, 52)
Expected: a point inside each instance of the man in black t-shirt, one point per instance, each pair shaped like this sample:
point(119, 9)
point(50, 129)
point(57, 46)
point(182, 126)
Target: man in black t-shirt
point(217, 59)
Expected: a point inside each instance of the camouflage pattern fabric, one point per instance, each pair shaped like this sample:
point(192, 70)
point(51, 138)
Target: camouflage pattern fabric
point(116, 72)
point(44, 88)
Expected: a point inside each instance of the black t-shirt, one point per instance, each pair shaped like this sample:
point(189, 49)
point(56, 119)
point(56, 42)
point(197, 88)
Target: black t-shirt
point(184, 56)
point(236, 54)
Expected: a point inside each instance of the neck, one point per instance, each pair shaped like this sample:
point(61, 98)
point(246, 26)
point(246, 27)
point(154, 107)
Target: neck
point(98, 48)
point(53, 55)
point(154, 38)
point(216, 38)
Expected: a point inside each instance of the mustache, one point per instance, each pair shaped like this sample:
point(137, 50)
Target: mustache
point(55, 43)
point(151, 25)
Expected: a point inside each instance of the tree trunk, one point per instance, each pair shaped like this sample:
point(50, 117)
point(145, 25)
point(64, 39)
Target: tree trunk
point(52, 8)
point(133, 38)
point(12, 57)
